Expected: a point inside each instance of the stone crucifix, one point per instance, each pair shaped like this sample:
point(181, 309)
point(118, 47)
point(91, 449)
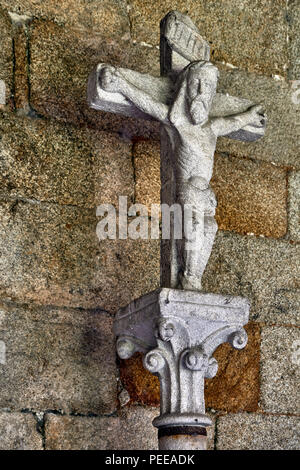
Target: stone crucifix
point(179, 327)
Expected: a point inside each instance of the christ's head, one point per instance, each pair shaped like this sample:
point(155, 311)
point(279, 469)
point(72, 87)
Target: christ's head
point(202, 79)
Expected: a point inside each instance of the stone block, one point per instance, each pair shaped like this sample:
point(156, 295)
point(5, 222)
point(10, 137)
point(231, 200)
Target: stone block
point(293, 19)
point(130, 431)
point(54, 162)
point(6, 61)
point(108, 16)
point(58, 359)
point(50, 254)
point(235, 387)
point(265, 271)
point(250, 35)
point(257, 432)
point(128, 269)
point(251, 196)
point(18, 431)
point(280, 361)
point(280, 142)
point(61, 61)
point(294, 205)
point(80, 433)
point(146, 160)
point(136, 430)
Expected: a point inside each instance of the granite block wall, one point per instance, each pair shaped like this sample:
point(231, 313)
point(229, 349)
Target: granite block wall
point(62, 386)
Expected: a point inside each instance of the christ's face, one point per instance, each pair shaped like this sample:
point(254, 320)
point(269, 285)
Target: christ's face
point(201, 89)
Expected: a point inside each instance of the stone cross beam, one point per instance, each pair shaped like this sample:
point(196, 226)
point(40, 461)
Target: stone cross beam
point(179, 327)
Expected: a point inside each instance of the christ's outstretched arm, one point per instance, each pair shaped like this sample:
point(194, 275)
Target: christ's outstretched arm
point(112, 80)
point(226, 125)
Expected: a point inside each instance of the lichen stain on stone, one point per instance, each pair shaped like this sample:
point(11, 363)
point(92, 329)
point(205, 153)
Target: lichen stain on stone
point(236, 386)
point(142, 386)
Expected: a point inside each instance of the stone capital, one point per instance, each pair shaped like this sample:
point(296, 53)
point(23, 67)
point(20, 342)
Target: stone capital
point(178, 331)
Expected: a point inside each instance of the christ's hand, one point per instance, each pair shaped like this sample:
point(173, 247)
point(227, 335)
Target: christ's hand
point(256, 115)
point(109, 79)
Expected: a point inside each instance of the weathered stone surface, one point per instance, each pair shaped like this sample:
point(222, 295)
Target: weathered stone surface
point(265, 271)
point(108, 16)
point(251, 195)
point(130, 431)
point(6, 60)
point(142, 386)
point(235, 387)
point(58, 359)
point(128, 270)
point(80, 433)
point(52, 162)
point(146, 160)
point(136, 430)
point(50, 254)
point(257, 42)
point(61, 61)
point(18, 431)
point(280, 360)
point(21, 69)
point(294, 205)
point(293, 18)
point(258, 432)
point(280, 142)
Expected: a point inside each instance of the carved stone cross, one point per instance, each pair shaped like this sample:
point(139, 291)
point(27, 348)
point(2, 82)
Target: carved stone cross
point(178, 326)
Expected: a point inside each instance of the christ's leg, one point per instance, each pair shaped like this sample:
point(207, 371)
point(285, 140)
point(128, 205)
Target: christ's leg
point(196, 253)
point(200, 229)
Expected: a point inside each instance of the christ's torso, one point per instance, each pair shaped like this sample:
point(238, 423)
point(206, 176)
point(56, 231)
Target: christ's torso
point(193, 148)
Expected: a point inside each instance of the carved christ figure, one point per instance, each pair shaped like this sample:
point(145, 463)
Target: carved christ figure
point(183, 103)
